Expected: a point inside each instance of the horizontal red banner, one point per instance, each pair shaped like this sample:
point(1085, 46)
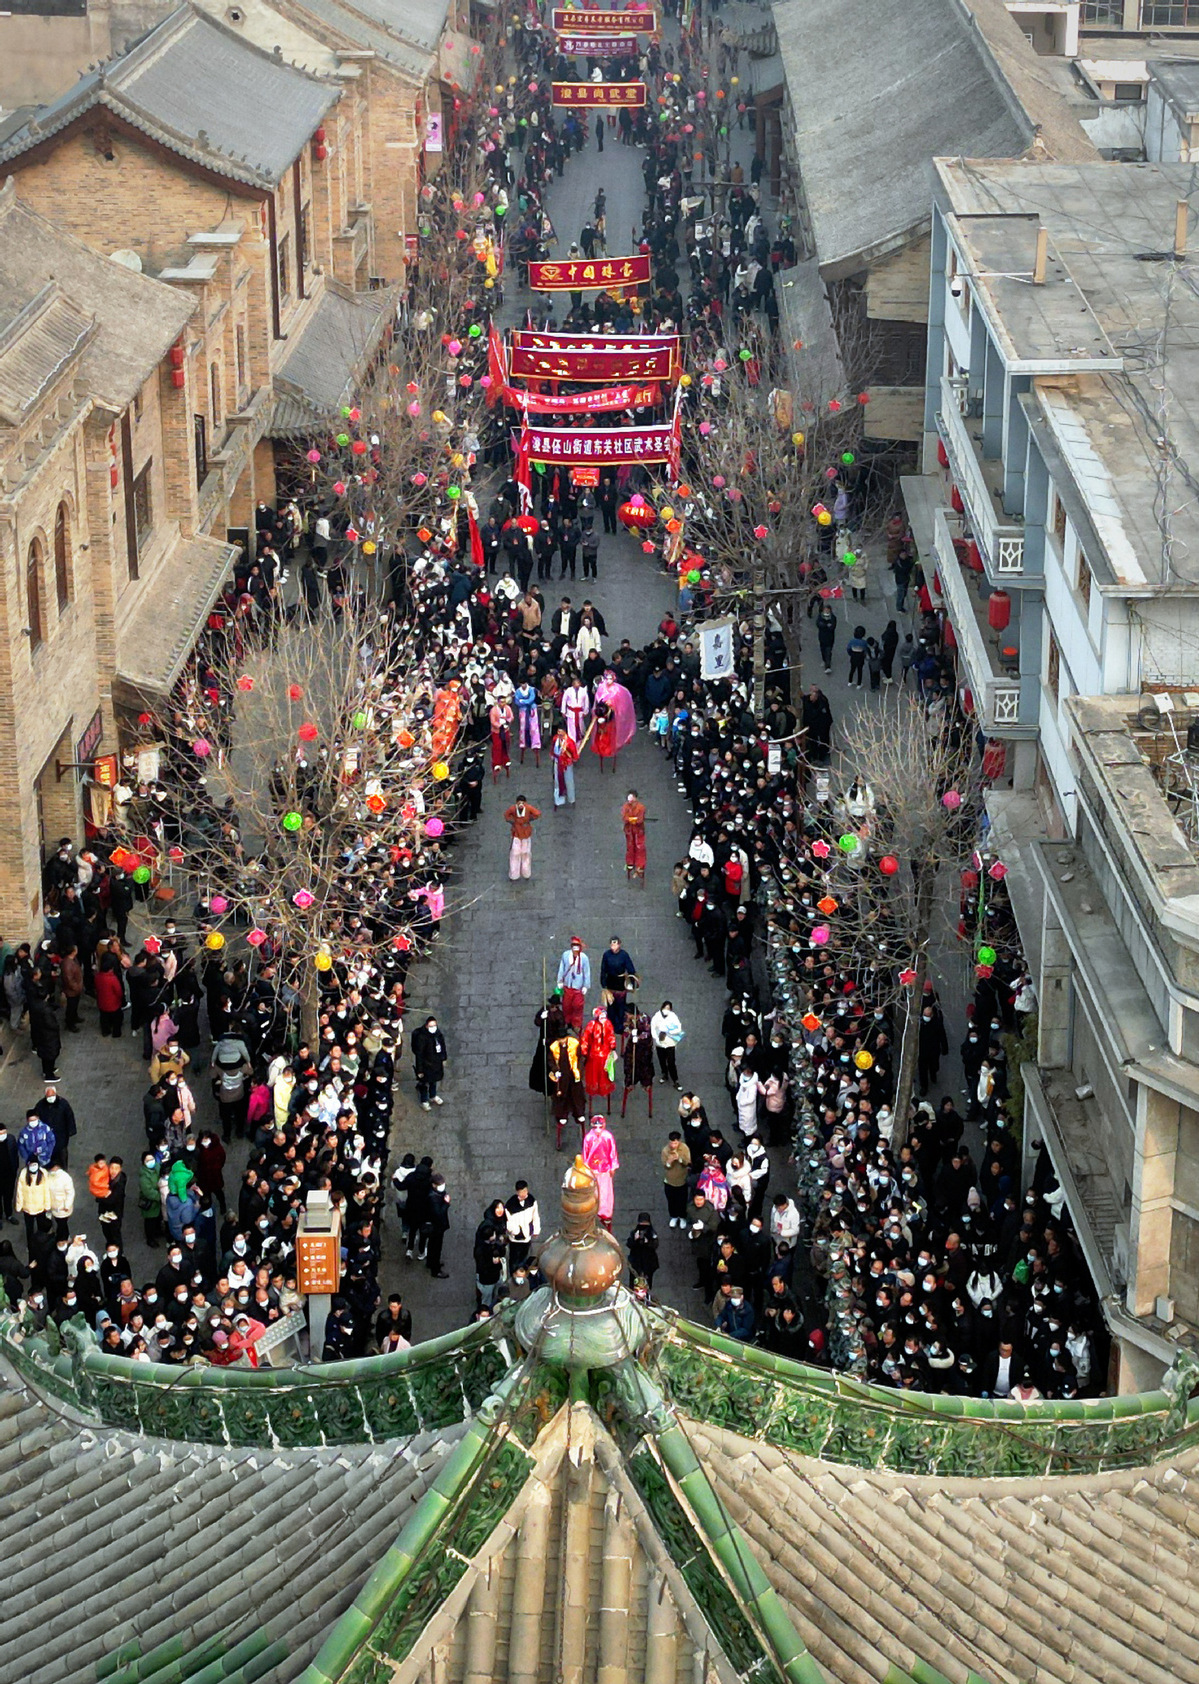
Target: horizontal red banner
point(607, 96)
point(598, 46)
point(581, 273)
point(533, 339)
point(607, 397)
point(604, 368)
point(604, 23)
point(601, 444)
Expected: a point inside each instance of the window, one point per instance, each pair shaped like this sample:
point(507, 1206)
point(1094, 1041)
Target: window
point(62, 556)
point(239, 351)
point(1054, 673)
point(284, 259)
point(143, 506)
point(1128, 93)
point(1104, 11)
point(214, 395)
point(1059, 519)
point(33, 593)
point(1084, 579)
point(1169, 14)
point(200, 438)
point(306, 237)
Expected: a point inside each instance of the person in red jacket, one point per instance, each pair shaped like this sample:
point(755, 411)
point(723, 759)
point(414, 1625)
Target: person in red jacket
point(110, 998)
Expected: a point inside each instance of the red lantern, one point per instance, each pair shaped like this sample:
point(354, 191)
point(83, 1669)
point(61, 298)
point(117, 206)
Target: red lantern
point(888, 865)
point(968, 702)
point(999, 610)
point(308, 732)
point(949, 636)
point(176, 356)
point(359, 447)
point(942, 454)
point(955, 498)
point(178, 379)
point(969, 879)
point(974, 559)
point(994, 759)
point(638, 517)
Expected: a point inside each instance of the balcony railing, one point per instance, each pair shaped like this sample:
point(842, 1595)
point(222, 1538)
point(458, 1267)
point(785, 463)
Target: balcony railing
point(1001, 542)
point(996, 698)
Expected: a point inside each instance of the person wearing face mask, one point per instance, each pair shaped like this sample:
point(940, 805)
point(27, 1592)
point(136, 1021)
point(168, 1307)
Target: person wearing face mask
point(736, 1316)
point(632, 816)
point(429, 1058)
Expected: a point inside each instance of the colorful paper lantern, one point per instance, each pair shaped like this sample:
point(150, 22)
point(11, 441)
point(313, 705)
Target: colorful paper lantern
point(821, 850)
point(339, 486)
point(256, 937)
point(986, 955)
point(888, 865)
point(820, 935)
point(849, 843)
point(323, 961)
point(824, 518)
point(358, 721)
point(369, 547)
point(376, 804)
point(294, 693)
point(245, 683)
point(907, 977)
point(202, 747)
point(849, 559)
point(810, 1022)
point(214, 941)
point(352, 534)
point(303, 898)
point(141, 874)
point(827, 905)
point(434, 827)
point(359, 447)
point(314, 457)
point(308, 732)
point(292, 821)
point(951, 800)
point(998, 871)
point(440, 771)
point(219, 904)
point(761, 532)
point(847, 457)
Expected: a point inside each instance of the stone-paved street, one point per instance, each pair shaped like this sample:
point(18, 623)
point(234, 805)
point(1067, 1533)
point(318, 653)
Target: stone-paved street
point(499, 940)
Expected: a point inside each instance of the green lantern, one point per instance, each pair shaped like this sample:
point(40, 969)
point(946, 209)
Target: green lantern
point(474, 330)
point(986, 955)
point(453, 492)
point(849, 559)
point(292, 821)
point(745, 355)
point(847, 456)
point(345, 412)
point(359, 722)
point(848, 843)
point(141, 874)
point(343, 439)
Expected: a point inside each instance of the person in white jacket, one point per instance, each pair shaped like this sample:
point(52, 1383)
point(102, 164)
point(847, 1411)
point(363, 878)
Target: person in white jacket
point(666, 1032)
point(62, 1199)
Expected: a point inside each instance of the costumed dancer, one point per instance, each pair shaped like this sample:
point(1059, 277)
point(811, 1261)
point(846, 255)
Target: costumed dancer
point(615, 719)
point(500, 720)
point(530, 723)
point(633, 816)
point(576, 705)
point(597, 1044)
point(603, 1160)
point(574, 979)
point(564, 754)
point(568, 1097)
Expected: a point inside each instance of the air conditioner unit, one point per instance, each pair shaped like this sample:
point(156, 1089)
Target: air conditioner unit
point(1163, 1309)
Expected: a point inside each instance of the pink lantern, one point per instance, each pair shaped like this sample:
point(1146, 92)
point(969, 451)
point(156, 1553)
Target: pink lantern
point(830, 474)
point(303, 899)
point(202, 747)
point(314, 457)
point(465, 381)
point(820, 935)
point(998, 871)
point(720, 365)
point(821, 850)
point(339, 487)
point(420, 479)
point(733, 494)
point(455, 347)
point(705, 427)
point(414, 408)
point(219, 904)
point(951, 800)
point(485, 382)
point(480, 199)
point(434, 827)
point(355, 415)
point(255, 937)
point(718, 481)
point(761, 532)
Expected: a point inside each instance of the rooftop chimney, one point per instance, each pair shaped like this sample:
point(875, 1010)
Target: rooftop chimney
point(1038, 264)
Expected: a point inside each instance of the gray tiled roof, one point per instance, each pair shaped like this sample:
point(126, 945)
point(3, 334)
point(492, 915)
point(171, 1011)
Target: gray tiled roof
point(880, 91)
point(417, 20)
point(329, 354)
point(59, 298)
point(202, 91)
point(113, 1539)
point(382, 29)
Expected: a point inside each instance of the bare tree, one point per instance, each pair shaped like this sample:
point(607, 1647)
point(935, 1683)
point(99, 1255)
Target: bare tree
point(911, 805)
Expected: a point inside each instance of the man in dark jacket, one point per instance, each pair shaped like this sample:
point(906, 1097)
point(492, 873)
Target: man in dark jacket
point(44, 1033)
point(58, 1116)
point(429, 1061)
point(437, 1222)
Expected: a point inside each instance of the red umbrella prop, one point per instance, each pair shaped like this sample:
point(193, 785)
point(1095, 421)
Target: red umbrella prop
point(527, 523)
point(638, 517)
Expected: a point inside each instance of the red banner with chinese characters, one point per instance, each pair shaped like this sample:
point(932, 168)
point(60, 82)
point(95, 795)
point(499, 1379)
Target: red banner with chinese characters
point(606, 361)
point(607, 95)
point(582, 446)
point(581, 403)
point(573, 22)
point(578, 274)
point(598, 46)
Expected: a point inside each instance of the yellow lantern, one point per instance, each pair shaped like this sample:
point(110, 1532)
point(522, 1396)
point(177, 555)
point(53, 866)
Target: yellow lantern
point(439, 416)
point(797, 439)
point(667, 513)
point(458, 460)
point(214, 941)
point(684, 380)
point(824, 518)
point(863, 1060)
point(440, 771)
point(369, 547)
point(323, 960)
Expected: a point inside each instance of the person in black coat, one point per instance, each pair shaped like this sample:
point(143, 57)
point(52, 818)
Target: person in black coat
point(10, 1165)
point(44, 1033)
point(59, 1118)
point(642, 1249)
point(429, 1060)
point(436, 1224)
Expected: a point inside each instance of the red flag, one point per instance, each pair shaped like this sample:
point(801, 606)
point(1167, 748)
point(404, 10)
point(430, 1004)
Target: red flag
point(476, 543)
point(495, 366)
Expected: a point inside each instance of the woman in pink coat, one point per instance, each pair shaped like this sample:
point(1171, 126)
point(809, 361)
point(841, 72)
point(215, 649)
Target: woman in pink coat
point(603, 1160)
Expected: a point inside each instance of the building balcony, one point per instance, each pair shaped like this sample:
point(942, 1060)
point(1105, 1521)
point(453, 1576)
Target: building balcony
point(993, 677)
point(980, 482)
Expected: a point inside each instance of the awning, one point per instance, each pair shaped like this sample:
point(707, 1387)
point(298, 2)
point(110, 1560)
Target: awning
point(806, 329)
point(327, 358)
point(765, 76)
point(154, 643)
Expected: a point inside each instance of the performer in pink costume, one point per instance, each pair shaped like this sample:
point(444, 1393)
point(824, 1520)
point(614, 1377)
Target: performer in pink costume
point(603, 1160)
